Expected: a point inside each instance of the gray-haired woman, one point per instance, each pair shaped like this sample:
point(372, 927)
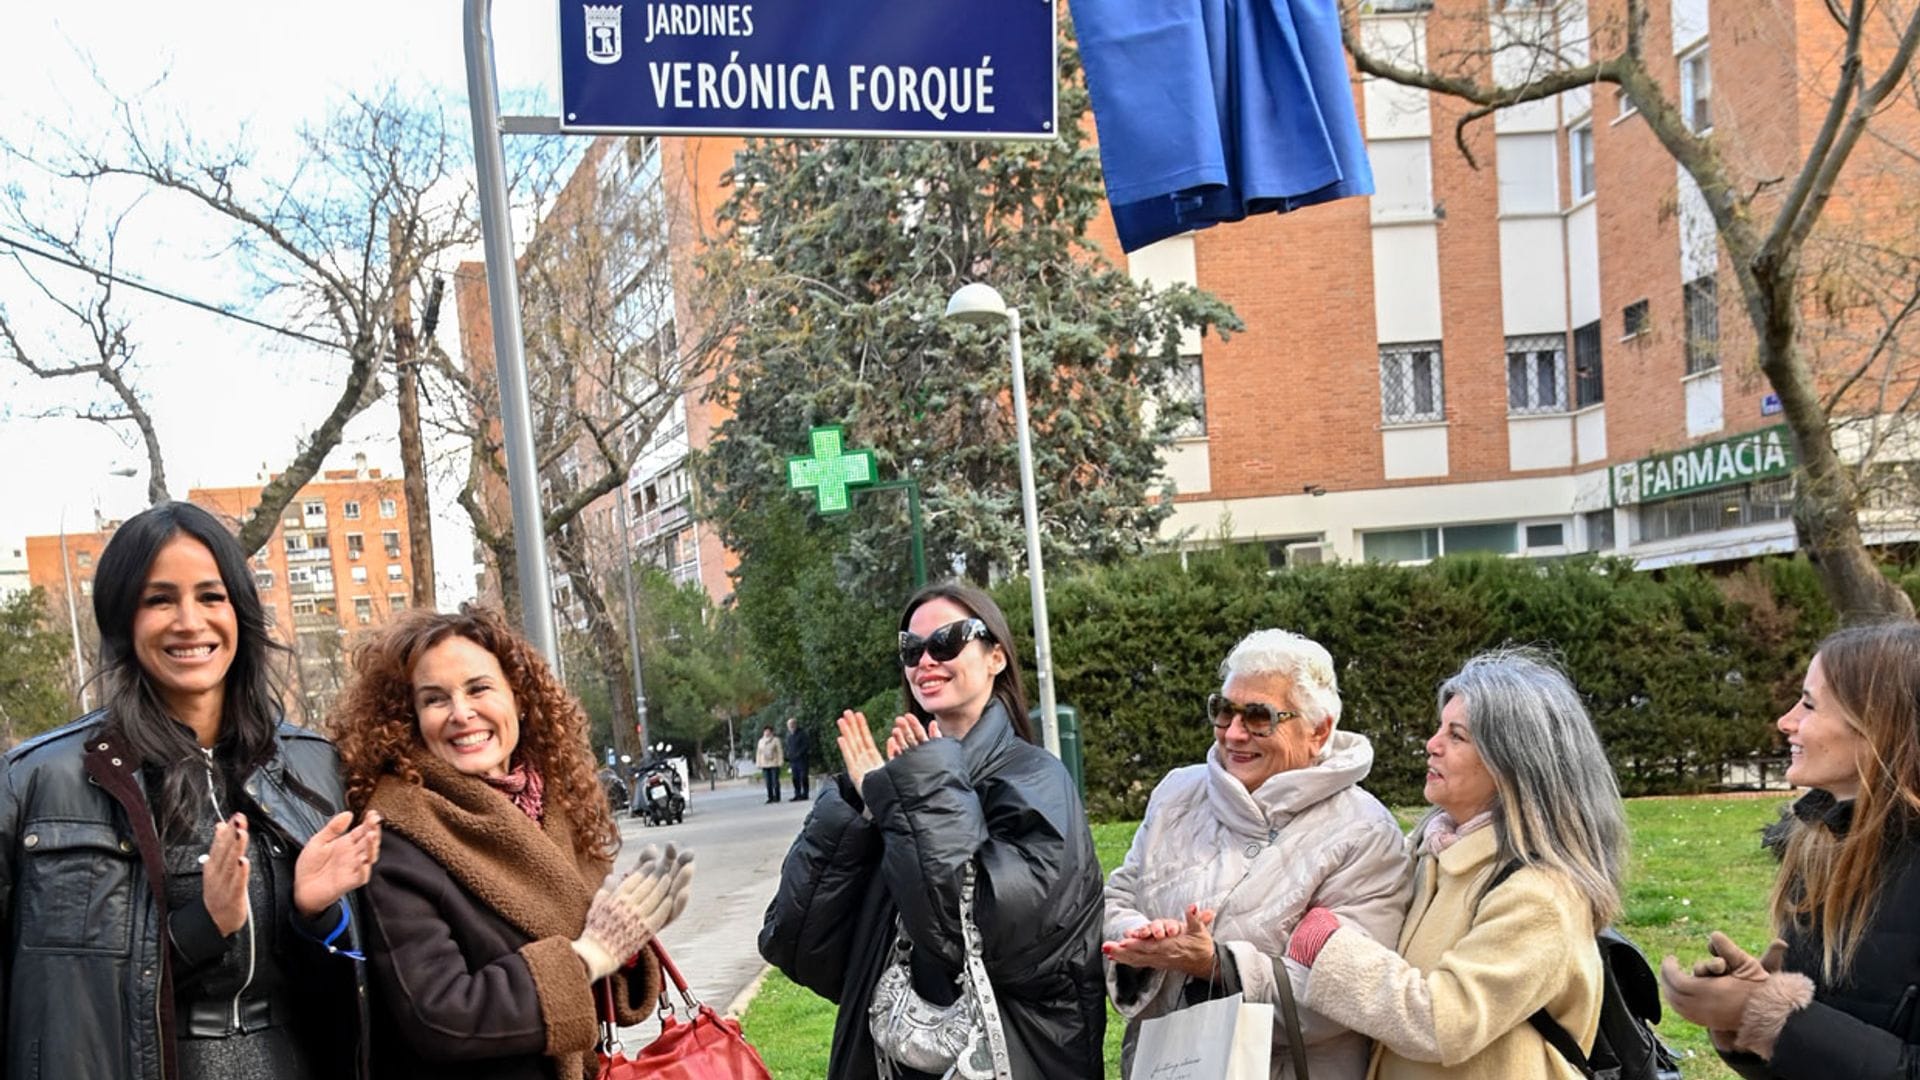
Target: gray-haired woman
point(1233, 851)
point(1519, 863)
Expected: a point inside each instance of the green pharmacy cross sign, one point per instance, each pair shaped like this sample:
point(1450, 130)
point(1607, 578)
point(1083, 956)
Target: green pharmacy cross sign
point(831, 471)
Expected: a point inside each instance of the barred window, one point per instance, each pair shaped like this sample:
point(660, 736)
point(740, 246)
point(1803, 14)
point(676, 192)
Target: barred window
point(1589, 388)
point(1188, 386)
point(1410, 383)
point(1703, 325)
point(1537, 373)
point(1712, 511)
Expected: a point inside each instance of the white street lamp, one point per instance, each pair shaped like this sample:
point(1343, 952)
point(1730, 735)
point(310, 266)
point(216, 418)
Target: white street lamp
point(980, 304)
point(73, 611)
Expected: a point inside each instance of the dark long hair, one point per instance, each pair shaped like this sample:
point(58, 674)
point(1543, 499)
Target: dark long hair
point(1008, 688)
point(136, 715)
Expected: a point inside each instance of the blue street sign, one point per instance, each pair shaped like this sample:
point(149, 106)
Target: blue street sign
point(1770, 405)
point(981, 69)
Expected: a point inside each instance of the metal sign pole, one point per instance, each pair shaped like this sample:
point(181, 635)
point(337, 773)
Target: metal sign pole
point(503, 295)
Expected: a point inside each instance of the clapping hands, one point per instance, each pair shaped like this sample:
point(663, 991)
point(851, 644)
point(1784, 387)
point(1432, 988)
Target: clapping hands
point(862, 755)
point(1180, 945)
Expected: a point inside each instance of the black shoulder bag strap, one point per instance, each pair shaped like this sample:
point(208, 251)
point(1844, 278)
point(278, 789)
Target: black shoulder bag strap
point(1543, 1021)
point(1557, 1036)
point(1290, 1013)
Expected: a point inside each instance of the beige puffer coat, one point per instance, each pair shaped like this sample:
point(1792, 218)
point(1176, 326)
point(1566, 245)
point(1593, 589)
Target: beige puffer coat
point(1308, 837)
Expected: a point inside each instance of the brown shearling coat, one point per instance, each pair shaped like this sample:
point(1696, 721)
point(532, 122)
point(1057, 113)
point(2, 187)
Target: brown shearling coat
point(473, 908)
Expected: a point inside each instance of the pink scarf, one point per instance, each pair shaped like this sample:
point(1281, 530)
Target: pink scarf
point(1442, 832)
point(522, 786)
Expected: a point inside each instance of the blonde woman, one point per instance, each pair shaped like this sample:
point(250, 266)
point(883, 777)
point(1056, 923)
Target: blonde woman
point(1519, 863)
point(1839, 994)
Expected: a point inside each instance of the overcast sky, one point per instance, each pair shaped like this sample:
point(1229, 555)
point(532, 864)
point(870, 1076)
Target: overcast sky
point(227, 400)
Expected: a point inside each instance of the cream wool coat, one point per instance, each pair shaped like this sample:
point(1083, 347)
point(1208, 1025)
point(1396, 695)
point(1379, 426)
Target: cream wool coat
point(1453, 1002)
point(1307, 837)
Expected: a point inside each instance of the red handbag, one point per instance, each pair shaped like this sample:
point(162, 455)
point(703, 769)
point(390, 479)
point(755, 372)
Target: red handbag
point(703, 1046)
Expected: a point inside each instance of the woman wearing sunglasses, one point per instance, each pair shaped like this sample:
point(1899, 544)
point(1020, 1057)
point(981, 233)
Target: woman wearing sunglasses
point(1233, 851)
point(963, 802)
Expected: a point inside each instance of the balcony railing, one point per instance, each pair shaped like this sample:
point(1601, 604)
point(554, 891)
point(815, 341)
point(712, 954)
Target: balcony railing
point(660, 520)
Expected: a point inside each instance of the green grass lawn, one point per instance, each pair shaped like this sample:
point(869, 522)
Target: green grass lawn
point(1697, 866)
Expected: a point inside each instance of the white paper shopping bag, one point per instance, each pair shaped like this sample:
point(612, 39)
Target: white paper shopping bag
point(1223, 1039)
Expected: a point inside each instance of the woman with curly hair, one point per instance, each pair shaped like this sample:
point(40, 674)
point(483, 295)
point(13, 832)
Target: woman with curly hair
point(486, 937)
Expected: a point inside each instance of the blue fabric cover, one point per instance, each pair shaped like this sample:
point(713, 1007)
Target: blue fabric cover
point(1211, 110)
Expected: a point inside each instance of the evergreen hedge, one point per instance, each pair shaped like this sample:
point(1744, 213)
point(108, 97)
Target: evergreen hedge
point(1682, 671)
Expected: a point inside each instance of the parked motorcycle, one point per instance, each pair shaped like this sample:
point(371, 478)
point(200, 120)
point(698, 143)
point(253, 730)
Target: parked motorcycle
point(619, 796)
point(659, 794)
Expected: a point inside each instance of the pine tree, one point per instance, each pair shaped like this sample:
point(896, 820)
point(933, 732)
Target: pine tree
point(833, 264)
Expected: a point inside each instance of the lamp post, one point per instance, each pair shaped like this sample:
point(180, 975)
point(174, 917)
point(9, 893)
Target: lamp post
point(981, 305)
point(73, 617)
point(73, 610)
point(633, 627)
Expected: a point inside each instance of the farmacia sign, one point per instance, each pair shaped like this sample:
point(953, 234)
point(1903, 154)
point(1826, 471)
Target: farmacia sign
point(1756, 455)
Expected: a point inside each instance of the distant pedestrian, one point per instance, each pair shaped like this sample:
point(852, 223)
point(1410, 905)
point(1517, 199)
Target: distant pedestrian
point(799, 745)
point(766, 757)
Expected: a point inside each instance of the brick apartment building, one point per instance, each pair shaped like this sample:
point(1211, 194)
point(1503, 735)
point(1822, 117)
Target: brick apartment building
point(1541, 356)
point(678, 179)
point(336, 564)
point(1546, 355)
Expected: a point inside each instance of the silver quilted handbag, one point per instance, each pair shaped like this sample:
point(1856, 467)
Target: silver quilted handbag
point(963, 1040)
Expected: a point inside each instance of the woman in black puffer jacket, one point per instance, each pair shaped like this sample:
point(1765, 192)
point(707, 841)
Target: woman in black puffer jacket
point(891, 843)
point(1839, 994)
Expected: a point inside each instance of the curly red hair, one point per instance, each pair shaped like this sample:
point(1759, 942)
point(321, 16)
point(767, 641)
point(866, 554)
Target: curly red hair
point(377, 733)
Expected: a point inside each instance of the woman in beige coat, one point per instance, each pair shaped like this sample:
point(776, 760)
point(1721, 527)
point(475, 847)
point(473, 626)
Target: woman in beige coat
point(1519, 861)
point(767, 757)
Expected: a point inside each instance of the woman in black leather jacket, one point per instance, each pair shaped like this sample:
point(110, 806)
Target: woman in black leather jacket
point(1839, 994)
point(891, 844)
point(174, 866)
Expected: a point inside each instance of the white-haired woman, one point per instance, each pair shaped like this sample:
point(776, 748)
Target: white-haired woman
point(1519, 862)
point(1235, 850)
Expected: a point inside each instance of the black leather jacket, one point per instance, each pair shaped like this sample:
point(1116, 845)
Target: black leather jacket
point(86, 970)
point(991, 798)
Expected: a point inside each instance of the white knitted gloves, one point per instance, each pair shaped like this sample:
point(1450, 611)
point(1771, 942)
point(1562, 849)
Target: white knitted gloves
point(628, 913)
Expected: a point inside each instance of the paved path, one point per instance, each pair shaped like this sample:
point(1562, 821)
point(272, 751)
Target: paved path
point(739, 841)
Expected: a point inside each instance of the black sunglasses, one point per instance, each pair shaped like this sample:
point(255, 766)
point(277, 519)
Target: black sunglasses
point(1257, 717)
point(944, 643)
